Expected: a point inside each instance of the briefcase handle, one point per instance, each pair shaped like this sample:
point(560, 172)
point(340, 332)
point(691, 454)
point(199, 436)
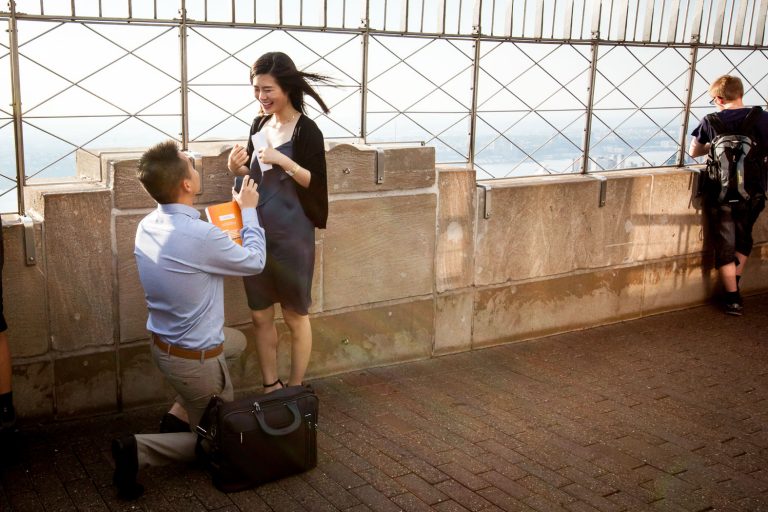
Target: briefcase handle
point(278, 431)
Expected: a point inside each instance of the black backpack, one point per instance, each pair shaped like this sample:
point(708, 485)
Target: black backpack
point(732, 156)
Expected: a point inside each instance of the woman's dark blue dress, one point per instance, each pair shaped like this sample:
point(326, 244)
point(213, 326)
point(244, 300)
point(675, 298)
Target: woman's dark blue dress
point(287, 275)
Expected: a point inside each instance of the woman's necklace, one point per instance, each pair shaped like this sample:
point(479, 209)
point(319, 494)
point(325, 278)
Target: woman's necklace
point(286, 122)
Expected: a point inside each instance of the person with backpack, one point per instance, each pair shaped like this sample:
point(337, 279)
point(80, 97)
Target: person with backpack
point(735, 140)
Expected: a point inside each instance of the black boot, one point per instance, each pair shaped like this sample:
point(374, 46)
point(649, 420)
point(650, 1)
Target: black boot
point(126, 460)
point(171, 423)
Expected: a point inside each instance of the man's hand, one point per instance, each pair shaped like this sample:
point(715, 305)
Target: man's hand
point(248, 197)
point(238, 157)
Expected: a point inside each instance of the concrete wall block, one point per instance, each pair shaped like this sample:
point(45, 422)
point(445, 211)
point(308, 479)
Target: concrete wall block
point(133, 306)
point(317, 276)
point(620, 228)
point(755, 276)
point(544, 228)
point(371, 337)
point(674, 284)
point(378, 249)
point(24, 292)
point(352, 168)
point(675, 220)
point(88, 165)
point(245, 370)
point(456, 229)
point(236, 310)
point(86, 384)
point(453, 322)
point(541, 308)
point(216, 179)
point(128, 191)
point(78, 244)
point(760, 230)
point(141, 381)
point(33, 389)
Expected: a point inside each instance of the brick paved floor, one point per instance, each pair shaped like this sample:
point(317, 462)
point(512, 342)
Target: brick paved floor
point(665, 413)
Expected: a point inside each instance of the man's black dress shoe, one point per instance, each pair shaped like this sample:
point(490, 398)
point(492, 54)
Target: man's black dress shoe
point(171, 423)
point(126, 460)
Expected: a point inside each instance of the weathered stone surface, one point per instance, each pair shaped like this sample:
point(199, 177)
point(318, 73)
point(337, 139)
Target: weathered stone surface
point(455, 230)
point(133, 306)
point(37, 189)
point(541, 228)
point(677, 283)
point(378, 249)
point(352, 168)
point(317, 277)
point(760, 231)
point(33, 389)
point(24, 292)
point(215, 178)
point(755, 276)
point(453, 322)
point(141, 381)
point(95, 164)
point(561, 304)
point(371, 337)
point(675, 224)
point(78, 244)
point(245, 371)
point(86, 384)
point(236, 310)
point(127, 188)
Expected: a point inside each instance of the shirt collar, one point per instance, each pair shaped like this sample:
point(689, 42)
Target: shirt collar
point(173, 208)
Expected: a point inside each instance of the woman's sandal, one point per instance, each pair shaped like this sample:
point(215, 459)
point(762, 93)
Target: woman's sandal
point(278, 381)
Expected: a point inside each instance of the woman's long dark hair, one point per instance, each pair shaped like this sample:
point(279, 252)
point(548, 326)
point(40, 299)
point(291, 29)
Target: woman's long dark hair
point(291, 80)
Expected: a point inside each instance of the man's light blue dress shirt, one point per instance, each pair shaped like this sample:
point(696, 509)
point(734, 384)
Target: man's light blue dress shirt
point(182, 262)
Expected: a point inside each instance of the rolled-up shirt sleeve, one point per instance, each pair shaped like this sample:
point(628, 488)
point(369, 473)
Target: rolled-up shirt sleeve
point(225, 257)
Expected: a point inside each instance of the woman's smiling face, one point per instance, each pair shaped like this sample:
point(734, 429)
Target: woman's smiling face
point(269, 93)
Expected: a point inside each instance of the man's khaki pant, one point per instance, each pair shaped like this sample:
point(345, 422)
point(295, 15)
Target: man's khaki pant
point(195, 382)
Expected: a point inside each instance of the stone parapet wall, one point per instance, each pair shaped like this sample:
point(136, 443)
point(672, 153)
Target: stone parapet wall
point(410, 267)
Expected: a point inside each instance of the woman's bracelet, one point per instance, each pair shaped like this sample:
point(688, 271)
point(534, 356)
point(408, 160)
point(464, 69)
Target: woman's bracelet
point(290, 172)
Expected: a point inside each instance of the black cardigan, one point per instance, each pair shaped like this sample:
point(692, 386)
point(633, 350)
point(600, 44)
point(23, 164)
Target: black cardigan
point(309, 153)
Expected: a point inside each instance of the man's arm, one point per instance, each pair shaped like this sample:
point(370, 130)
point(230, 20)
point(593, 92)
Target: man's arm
point(226, 257)
point(697, 149)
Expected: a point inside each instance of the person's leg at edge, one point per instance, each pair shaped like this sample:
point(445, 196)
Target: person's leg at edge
point(301, 345)
point(7, 412)
point(266, 346)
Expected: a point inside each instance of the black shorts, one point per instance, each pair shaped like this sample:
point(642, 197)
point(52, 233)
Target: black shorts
point(730, 225)
point(3, 325)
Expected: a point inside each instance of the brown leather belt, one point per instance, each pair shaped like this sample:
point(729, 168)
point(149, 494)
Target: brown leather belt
point(186, 353)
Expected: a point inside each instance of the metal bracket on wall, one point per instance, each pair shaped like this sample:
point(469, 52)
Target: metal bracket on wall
point(379, 166)
point(486, 199)
point(603, 188)
point(30, 251)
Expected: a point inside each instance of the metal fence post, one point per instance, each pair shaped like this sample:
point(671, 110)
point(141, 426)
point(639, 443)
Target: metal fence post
point(476, 33)
point(18, 131)
point(184, 80)
point(688, 100)
point(365, 22)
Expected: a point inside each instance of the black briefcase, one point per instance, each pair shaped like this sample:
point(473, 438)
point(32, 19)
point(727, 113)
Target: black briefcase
point(255, 440)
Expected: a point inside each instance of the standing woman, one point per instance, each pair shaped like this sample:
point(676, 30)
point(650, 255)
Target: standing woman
point(293, 201)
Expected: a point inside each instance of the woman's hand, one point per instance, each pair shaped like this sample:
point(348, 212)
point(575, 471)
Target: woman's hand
point(248, 197)
point(273, 156)
point(238, 158)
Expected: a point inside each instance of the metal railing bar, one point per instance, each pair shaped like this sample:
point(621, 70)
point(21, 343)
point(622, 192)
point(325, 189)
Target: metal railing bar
point(761, 16)
point(323, 57)
point(229, 54)
point(674, 17)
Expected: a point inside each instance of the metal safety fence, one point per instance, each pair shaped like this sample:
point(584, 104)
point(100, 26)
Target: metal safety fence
point(509, 87)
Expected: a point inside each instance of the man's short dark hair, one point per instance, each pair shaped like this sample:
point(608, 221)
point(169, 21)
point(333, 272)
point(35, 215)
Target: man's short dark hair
point(161, 171)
